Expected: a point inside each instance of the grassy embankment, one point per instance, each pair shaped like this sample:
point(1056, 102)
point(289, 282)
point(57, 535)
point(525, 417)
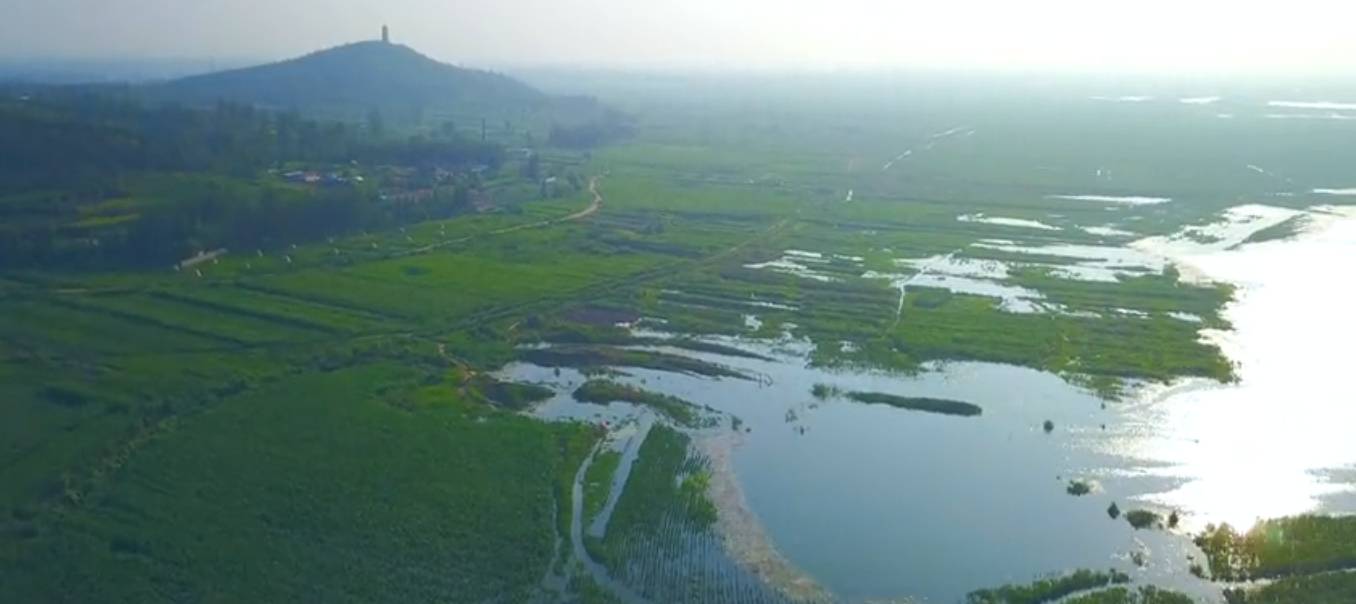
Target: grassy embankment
point(598, 482)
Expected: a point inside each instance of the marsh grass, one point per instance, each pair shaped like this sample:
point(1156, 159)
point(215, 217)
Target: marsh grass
point(596, 357)
point(1048, 590)
point(603, 392)
point(1298, 545)
point(929, 405)
point(1321, 588)
point(1147, 594)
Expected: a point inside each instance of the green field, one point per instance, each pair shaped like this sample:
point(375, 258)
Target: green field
point(312, 421)
point(338, 496)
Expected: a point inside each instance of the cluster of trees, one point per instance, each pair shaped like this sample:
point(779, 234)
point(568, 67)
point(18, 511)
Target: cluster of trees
point(89, 139)
point(210, 212)
point(192, 179)
point(203, 212)
point(72, 137)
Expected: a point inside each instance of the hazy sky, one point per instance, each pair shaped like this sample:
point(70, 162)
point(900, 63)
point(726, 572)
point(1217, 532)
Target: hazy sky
point(1155, 35)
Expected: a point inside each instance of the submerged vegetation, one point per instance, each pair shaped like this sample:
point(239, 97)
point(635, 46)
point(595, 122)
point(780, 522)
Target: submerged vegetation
point(824, 391)
point(1143, 519)
point(1078, 488)
point(1147, 594)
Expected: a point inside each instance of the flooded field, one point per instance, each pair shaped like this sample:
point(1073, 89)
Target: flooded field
point(819, 494)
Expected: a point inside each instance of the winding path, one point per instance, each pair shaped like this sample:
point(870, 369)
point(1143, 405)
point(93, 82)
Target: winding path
point(593, 207)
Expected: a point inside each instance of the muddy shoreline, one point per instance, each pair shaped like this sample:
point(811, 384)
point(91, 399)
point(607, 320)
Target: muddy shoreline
point(743, 534)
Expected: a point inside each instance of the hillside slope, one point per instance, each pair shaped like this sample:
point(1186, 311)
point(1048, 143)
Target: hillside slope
point(363, 74)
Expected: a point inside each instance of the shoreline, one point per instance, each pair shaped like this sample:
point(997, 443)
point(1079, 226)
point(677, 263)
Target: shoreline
point(743, 533)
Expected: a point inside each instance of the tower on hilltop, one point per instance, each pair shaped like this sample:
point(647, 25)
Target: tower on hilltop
point(385, 35)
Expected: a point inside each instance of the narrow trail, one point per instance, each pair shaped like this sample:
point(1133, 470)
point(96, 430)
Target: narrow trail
point(922, 271)
point(930, 142)
point(593, 207)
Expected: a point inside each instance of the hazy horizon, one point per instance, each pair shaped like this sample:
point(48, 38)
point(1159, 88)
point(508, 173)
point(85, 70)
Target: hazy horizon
point(1204, 38)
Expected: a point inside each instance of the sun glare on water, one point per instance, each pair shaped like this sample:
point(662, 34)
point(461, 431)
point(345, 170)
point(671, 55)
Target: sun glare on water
point(1260, 448)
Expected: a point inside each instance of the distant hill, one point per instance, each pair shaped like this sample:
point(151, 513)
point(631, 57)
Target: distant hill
point(357, 76)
